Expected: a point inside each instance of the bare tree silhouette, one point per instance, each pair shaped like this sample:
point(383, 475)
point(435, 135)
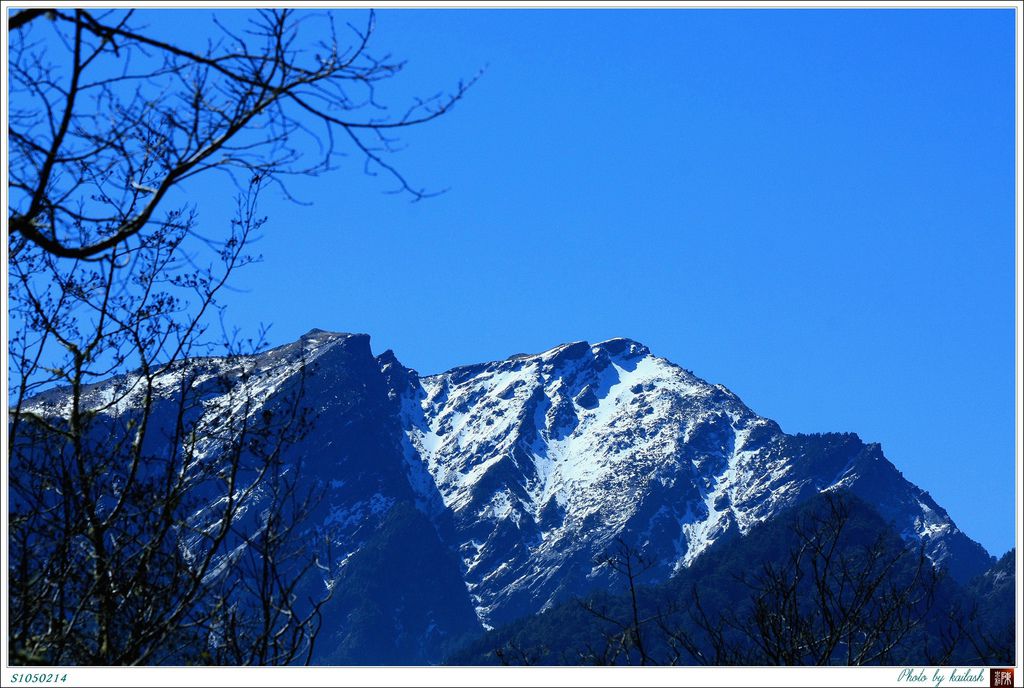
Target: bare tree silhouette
point(837, 596)
point(155, 519)
point(127, 501)
point(102, 130)
point(630, 564)
point(829, 600)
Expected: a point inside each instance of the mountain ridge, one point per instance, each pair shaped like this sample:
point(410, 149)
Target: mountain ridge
point(526, 469)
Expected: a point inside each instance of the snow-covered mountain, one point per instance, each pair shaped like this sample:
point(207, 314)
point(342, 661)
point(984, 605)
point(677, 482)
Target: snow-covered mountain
point(491, 491)
point(544, 460)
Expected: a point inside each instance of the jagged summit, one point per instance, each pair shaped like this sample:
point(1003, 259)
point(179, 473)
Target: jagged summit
point(317, 337)
point(317, 332)
point(622, 346)
point(617, 346)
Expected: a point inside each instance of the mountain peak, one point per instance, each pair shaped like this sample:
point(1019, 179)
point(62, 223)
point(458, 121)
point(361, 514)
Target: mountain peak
point(623, 346)
point(616, 347)
point(566, 352)
point(355, 342)
point(316, 332)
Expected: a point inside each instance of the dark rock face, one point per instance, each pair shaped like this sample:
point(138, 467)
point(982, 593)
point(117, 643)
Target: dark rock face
point(471, 498)
point(996, 592)
point(400, 598)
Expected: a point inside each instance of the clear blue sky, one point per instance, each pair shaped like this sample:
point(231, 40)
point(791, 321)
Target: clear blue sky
point(812, 207)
